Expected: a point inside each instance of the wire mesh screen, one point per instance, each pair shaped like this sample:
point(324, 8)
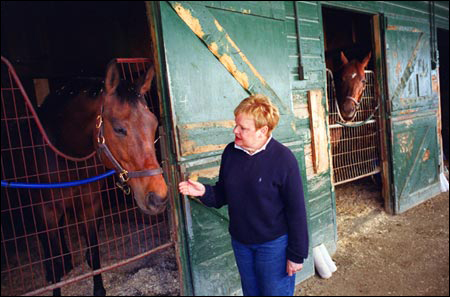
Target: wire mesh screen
point(32, 217)
point(355, 151)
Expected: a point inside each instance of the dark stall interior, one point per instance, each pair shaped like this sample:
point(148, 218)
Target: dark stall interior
point(348, 32)
point(51, 41)
point(443, 77)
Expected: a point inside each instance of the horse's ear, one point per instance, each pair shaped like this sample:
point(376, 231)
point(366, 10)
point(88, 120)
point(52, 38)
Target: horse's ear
point(343, 59)
point(366, 59)
point(145, 85)
point(112, 78)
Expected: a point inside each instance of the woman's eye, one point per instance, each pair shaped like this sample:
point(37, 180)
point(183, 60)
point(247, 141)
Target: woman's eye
point(120, 130)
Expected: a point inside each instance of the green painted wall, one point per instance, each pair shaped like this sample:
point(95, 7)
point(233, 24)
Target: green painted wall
point(284, 41)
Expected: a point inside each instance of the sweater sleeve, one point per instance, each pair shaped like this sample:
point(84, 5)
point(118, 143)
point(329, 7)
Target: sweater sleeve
point(215, 196)
point(292, 191)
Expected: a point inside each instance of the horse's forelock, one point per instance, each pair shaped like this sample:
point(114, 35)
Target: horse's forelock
point(127, 92)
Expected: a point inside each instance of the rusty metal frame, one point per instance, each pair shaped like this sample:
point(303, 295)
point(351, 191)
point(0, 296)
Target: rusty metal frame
point(355, 151)
point(153, 233)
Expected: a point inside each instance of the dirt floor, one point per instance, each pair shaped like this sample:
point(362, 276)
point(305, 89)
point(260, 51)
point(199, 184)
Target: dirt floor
point(380, 254)
point(377, 254)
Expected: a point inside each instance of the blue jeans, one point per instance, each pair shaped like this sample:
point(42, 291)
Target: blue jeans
point(263, 268)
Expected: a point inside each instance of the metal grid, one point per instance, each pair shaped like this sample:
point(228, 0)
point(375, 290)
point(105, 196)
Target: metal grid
point(124, 233)
point(355, 151)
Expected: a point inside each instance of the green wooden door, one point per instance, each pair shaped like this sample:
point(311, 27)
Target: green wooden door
point(412, 112)
point(216, 53)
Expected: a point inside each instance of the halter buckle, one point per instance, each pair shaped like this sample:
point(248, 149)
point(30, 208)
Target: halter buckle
point(124, 176)
point(124, 187)
point(99, 121)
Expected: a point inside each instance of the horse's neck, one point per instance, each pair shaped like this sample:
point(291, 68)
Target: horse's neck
point(72, 126)
point(80, 125)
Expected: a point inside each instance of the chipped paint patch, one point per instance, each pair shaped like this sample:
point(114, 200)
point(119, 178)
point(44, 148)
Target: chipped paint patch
point(244, 58)
point(405, 142)
point(214, 48)
point(190, 147)
point(398, 69)
point(192, 22)
point(435, 83)
point(216, 124)
point(301, 110)
point(408, 123)
point(426, 155)
point(219, 27)
point(241, 77)
point(209, 173)
point(294, 128)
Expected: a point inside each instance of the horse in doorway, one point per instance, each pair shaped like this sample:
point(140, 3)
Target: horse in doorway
point(112, 118)
point(350, 82)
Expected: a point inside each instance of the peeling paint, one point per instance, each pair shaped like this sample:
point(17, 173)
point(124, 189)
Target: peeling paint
point(190, 147)
point(187, 17)
point(212, 124)
point(294, 128)
point(435, 83)
point(241, 77)
point(214, 48)
point(209, 173)
point(301, 110)
point(244, 58)
point(405, 142)
point(398, 69)
point(319, 138)
point(426, 155)
point(408, 111)
point(408, 123)
point(219, 27)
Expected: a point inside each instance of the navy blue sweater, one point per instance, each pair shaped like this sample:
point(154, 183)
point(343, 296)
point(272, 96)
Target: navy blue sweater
point(264, 195)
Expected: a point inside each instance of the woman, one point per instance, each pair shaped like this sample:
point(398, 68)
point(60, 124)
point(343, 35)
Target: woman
point(260, 182)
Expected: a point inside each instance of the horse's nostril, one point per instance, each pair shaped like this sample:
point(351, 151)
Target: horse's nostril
point(155, 201)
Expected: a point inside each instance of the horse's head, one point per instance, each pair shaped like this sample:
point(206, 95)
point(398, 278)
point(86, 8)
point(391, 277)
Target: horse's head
point(128, 133)
point(350, 82)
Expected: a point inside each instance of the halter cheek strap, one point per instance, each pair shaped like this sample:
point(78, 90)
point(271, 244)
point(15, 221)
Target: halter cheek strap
point(354, 100)
point(124, 175)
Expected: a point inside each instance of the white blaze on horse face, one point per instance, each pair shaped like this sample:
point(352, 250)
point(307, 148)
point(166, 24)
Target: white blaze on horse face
point(353, 75)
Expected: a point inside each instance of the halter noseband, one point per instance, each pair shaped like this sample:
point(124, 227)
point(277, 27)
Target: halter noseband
point(339, 111)
point(124, 175)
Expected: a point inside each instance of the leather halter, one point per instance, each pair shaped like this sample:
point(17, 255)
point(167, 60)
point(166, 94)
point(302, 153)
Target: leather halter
point(356, 106)
point(124, 175)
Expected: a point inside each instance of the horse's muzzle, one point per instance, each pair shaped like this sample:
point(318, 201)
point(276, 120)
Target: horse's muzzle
point(155, 204)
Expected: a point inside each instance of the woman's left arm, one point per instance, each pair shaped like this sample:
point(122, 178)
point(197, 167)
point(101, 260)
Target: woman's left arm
point(292, 191)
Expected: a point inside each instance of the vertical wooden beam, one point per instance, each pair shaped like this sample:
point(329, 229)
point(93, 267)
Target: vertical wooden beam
point(319, 140)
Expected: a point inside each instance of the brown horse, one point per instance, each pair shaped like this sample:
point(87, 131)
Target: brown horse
point(350, 82)
point(112, 118)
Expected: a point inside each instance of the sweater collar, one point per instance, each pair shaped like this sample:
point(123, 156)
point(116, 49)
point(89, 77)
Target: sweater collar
point(260, 150)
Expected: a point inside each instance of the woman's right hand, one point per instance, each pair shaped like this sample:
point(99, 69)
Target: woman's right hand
point(191, 188)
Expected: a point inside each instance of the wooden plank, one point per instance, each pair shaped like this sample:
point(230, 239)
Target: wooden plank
point(318, 131)
point(219, 42)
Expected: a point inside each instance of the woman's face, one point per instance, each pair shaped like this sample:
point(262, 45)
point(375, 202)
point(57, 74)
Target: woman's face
point(246, 135)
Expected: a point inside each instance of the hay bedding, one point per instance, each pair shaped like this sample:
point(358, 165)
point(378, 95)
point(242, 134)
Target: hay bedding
point(357, 203)
point(153, 275)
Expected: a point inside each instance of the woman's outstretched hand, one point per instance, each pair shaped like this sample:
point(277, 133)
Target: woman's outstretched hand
point(191, 188)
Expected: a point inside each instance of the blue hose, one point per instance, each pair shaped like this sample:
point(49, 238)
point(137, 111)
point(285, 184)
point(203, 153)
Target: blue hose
point(57, 185)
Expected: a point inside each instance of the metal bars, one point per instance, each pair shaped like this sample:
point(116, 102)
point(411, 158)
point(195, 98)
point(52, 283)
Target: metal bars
point(355, 151)
point(124, 233)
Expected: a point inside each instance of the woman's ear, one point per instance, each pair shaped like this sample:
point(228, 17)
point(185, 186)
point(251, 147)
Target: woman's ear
point(264, 130)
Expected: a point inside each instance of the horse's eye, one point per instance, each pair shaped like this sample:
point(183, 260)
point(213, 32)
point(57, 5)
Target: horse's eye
point(363, 81)
point(120, 130)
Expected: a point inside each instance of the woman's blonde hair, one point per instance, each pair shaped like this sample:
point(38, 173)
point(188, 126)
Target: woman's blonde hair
point(261, 109)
